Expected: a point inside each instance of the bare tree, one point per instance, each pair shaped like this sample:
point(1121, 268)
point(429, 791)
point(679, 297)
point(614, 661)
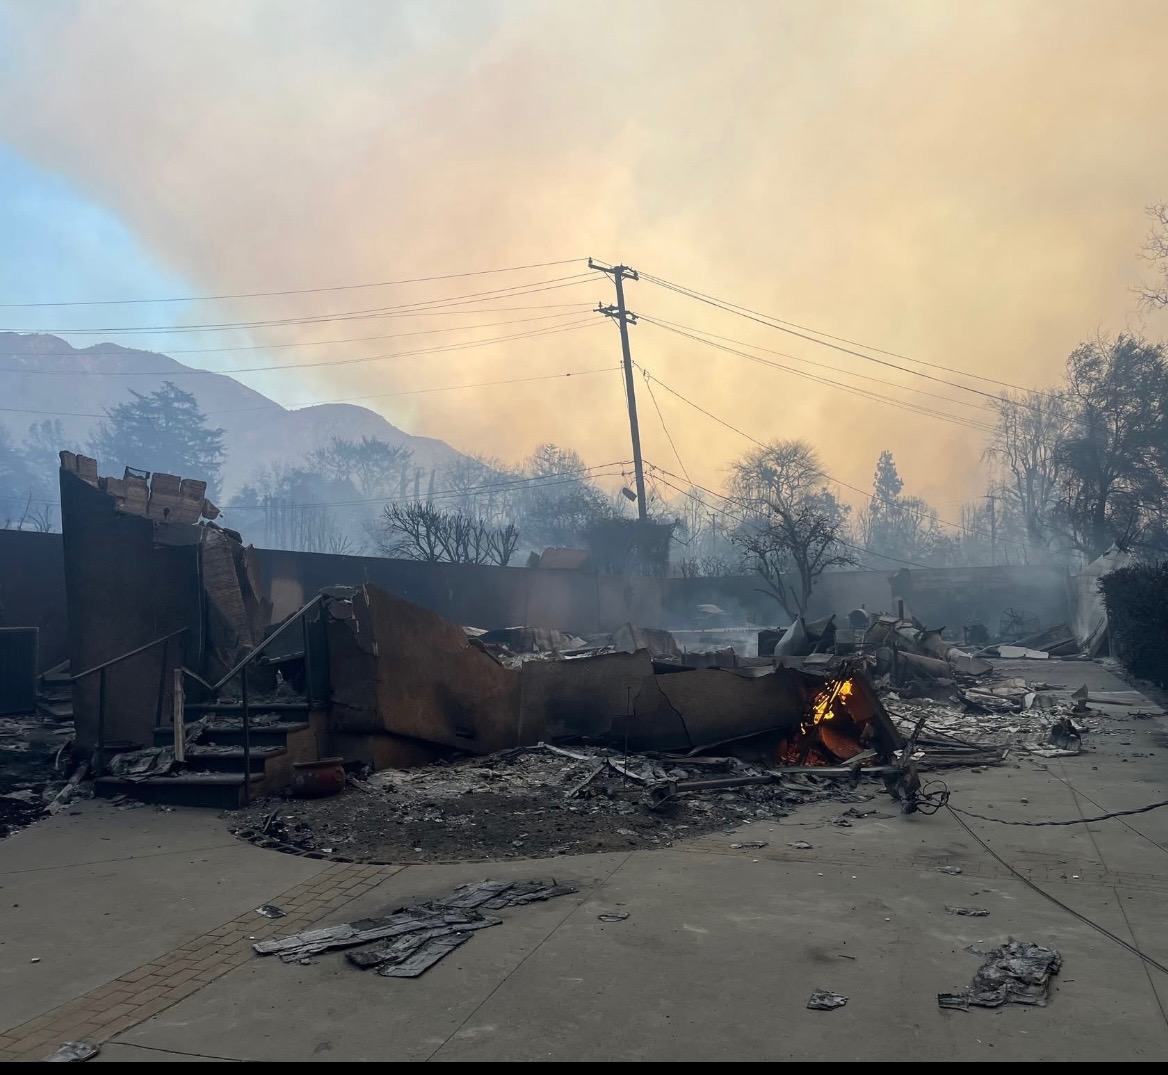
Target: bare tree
point(372, 466)
point(1156, 251)
point(481, 485)
point(795, 528)
point(1027, 442)
point(418, 531)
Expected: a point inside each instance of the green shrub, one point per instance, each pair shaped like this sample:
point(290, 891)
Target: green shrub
point(1136, 599)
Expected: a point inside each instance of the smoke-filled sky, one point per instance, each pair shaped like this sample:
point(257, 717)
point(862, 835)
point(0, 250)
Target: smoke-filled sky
point(960, 183)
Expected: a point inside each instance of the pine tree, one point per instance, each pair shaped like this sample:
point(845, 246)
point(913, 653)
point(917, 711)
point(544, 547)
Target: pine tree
point(162, 431)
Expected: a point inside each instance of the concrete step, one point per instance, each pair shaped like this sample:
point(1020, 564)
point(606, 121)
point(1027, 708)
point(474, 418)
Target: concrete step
point(230, 759)
point(231, 734)
point(220, 791)
point(200, 708)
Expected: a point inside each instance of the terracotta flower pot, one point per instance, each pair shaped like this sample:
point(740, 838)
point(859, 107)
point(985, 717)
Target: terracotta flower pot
point(317, 779)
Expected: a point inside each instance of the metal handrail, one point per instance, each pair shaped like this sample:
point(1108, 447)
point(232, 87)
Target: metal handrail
point(257, 650)
point(100, 669)
point(132, 653)
point(240, 669)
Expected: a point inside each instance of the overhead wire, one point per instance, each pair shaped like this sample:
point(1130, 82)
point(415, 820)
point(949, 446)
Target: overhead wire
point(566, 309)
point(836, 481)
point(852, 389)
point(441, 349)
point(561, 478)
point(293, 291)
point(664, 427)
point(798, 330)
point(819, 365)
point(346, 399)
point(442, 302)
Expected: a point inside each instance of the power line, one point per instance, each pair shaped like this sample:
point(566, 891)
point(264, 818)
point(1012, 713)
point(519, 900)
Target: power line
point(852, 389)
point(531, 288)
point(868, 496)
point(295, 291)
point(668, 435)
point(346, 399)
point(563, 478)
point(789, 326)
point(819, 365)
point(573, 326)
point(741, 519)
point(567, 309)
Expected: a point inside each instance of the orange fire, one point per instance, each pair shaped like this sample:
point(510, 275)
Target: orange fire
point(827, 735)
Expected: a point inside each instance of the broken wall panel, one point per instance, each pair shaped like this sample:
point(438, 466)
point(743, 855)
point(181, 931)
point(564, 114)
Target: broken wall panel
point(584, 696)
point(711, 705)
point(401, 669)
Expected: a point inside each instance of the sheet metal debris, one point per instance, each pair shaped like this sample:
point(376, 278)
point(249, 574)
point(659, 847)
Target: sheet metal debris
point(612, 916)
point(824, 1000)
point(415, 938)
point(72, 1052)
point(1016, 972)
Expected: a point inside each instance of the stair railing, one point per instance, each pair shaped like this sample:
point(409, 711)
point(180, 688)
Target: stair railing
point(100, 670)
point(240, 669)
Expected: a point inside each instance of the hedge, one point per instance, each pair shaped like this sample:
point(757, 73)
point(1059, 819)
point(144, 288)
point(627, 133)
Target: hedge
point(1136, 599)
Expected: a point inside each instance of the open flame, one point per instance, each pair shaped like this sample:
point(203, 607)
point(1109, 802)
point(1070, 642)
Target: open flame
point(828, 734)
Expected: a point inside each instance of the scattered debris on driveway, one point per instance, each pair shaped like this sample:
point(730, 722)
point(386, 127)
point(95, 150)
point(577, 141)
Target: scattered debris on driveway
point(948, 869)
point(968, 912)
point(415, 938)
point(73, 1052)
point(823, 1000)
point(613, 916)
point(270, 910)
point(1016, 972)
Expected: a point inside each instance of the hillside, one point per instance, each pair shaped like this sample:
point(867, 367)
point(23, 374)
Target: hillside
point(84, 382)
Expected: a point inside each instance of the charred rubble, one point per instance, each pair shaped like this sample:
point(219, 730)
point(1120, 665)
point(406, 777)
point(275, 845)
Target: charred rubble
point(529, 741)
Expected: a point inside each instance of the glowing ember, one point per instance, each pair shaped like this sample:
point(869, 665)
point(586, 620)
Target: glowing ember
point(837, 739)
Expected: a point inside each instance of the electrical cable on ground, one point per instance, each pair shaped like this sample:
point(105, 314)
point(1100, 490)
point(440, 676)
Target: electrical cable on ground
point(1070, 821)
point(1149, 960)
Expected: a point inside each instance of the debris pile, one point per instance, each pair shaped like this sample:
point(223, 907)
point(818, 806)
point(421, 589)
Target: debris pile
point(408, 942)
point(1013, 973)
point(540, 801)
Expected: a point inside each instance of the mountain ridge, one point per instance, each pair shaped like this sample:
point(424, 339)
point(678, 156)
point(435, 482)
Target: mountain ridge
point(258, 431)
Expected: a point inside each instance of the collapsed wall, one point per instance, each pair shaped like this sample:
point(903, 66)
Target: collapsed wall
point(408, 684)
point(144, 558)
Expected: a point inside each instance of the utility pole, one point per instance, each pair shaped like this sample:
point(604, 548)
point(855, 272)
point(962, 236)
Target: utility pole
point(993, 528)
point(623, 318)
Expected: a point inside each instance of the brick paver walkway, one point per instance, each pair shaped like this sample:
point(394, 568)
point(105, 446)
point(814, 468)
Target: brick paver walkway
point(145, 991)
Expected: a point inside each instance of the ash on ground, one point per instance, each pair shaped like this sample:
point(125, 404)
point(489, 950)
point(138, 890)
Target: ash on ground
point(528, 803)
point(29, 779)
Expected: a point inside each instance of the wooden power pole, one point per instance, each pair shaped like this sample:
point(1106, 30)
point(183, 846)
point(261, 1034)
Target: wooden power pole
point(623, 318)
